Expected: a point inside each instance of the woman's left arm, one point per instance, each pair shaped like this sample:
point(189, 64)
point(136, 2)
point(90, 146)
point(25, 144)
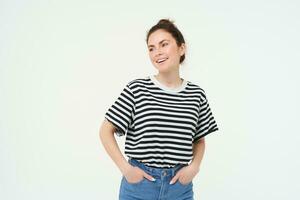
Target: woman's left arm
point(198, 152)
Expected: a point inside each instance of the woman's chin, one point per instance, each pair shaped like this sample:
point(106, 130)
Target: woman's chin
point(162, 69)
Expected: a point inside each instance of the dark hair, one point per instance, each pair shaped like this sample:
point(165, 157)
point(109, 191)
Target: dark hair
point(170, 27)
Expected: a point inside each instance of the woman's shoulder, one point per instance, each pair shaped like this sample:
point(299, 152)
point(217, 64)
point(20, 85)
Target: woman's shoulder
point(196, 89)
point(138, 80)
point(194, 85)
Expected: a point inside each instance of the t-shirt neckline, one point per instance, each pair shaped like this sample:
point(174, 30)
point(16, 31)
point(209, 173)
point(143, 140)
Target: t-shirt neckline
point(168, 89)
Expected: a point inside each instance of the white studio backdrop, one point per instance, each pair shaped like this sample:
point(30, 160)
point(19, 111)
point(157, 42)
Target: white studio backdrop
point(63, 63)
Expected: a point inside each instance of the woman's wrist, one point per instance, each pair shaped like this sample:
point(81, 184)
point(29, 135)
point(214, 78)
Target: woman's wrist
point(125, 167)
point(195, 165)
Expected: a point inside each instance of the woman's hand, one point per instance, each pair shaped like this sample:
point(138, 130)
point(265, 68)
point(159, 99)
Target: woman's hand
point(134, 174)
point(185, 174)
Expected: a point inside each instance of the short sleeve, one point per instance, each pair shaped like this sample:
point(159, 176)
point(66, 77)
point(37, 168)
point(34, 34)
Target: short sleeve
point(206, 122)
point(121, 112)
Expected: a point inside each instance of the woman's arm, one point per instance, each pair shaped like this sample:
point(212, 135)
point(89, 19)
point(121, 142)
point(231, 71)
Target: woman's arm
point(106, 134)
point(132, 174)
point(198, 152)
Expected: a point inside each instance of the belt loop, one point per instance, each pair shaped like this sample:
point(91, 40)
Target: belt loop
point(174, 170)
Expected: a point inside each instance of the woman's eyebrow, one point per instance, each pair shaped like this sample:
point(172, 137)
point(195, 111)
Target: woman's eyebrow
point(151, 45)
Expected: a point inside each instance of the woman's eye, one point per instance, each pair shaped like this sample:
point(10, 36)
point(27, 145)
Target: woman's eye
point(164, 44)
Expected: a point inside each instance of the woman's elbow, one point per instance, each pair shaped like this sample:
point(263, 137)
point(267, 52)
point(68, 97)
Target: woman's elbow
point(106, 128)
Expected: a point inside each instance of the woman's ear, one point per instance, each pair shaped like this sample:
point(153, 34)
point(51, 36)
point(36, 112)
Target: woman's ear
point(182, 49)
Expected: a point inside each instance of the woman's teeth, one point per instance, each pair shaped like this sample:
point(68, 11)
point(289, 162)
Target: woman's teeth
point(162, 60)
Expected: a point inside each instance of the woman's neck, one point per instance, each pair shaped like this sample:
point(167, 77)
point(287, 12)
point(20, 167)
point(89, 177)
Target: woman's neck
point(171, 80)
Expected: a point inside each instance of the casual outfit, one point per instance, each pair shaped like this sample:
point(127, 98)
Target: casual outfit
point(161, 124)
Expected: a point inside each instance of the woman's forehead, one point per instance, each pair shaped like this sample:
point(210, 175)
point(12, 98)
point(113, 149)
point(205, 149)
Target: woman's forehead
point(158, 36)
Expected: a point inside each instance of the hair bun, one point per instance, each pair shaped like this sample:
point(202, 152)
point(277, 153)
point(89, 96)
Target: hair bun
point(166, 21)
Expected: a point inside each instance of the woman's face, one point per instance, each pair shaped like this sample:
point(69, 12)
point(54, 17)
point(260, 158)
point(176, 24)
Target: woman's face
point(163, 51)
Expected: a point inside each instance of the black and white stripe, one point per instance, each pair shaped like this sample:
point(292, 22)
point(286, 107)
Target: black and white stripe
point(161, 124)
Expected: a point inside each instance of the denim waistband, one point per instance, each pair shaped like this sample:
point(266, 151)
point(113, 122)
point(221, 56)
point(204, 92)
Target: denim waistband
point(156, 171)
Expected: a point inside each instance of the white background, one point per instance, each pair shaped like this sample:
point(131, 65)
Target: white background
point(63, 63)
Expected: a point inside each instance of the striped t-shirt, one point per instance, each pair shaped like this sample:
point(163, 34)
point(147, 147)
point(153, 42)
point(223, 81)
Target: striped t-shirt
point(161, 124)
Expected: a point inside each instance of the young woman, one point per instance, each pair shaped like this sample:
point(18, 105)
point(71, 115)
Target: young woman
point(165, 119)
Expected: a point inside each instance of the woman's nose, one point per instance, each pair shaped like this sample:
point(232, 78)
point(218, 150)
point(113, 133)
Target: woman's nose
point(158, 52)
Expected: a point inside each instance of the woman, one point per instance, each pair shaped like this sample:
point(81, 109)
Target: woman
point(165, 119)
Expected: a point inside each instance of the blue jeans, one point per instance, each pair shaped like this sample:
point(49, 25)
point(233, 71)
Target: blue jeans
point(160, 189)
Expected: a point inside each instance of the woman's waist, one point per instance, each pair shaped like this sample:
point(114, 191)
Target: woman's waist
point(154, 170)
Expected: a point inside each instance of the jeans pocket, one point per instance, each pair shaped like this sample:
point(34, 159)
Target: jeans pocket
point(139, 182)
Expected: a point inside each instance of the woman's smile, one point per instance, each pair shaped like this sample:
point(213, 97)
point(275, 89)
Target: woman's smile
point(161, 61)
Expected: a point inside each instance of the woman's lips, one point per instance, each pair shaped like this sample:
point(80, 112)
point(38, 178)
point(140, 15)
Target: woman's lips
point(160, 61)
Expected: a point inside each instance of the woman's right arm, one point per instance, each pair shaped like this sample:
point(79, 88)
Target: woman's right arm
point(131, 173)
point(109, 142)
